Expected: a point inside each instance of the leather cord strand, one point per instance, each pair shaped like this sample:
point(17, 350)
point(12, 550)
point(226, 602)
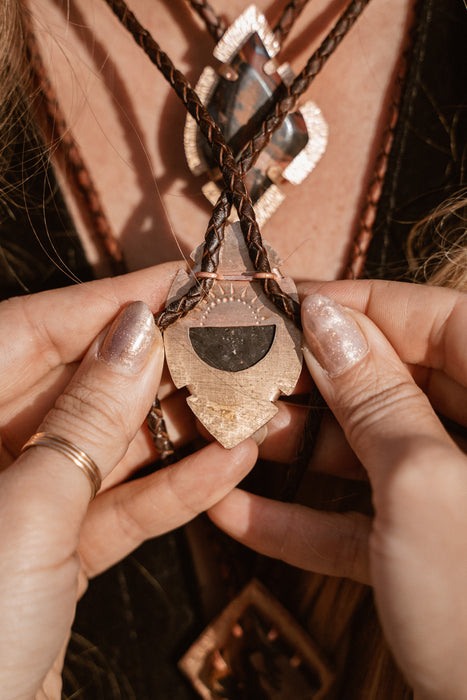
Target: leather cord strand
point(217, 27)
point(248, 157)
point(60, 135)
point(273, 121)
point(236, 191)
point(290, 13)
point(214, 24)
point(291, 94)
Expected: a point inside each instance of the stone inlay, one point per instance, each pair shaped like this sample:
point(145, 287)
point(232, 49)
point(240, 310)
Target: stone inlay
point(239, 96)
point(232, 349)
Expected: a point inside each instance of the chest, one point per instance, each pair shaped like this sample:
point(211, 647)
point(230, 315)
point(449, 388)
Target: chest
point(129, 125)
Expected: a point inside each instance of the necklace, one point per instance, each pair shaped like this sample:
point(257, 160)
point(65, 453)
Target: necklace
point(253, 599)
point(226, 413)
point(281, 106)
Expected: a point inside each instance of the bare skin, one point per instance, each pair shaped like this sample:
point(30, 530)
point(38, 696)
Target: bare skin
point(130, 125)
point(52, 539)
point(50, 361)
point(51, 377)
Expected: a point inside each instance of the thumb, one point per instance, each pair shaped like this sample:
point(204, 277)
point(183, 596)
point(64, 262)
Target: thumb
point(44, 495)
point(387, 419)
point(99, 412)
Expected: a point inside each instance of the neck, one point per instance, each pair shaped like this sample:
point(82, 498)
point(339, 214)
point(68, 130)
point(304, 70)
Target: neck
point(130, 126)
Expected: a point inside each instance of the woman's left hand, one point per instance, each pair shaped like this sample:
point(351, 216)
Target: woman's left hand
point(57, 376)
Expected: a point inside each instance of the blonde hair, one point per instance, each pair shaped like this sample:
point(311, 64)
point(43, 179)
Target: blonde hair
point(437, 246)
point(438, 255)
point(16, 100)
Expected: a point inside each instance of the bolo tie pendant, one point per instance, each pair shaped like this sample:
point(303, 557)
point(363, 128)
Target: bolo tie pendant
point(238, 95)
point(234, 352)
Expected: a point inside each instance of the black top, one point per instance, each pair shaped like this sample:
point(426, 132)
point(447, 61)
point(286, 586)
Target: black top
point(137, 619)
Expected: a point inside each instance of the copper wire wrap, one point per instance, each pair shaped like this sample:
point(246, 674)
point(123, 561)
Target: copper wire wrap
point(242, 277)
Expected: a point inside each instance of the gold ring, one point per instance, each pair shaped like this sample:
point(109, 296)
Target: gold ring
point(77, 456)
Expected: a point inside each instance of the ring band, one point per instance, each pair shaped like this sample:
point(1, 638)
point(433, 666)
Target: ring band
point(77, 456)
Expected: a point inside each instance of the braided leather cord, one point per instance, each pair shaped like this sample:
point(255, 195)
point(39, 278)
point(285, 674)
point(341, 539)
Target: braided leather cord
point(236, 191)
point(214, 24)
point(358, 252)
point(62, 137)
point(217, 27)
point(290, 95)
point(290, 13)
point(158, 430)
point(273, 121)
point(248, 157)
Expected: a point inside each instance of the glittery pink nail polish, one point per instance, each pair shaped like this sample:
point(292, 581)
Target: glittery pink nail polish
point(130, 338)
point(332, 335)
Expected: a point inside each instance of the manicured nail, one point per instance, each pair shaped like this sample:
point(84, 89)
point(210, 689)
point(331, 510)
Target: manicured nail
point(332, 335)
point(130, 338)
point(261, 434)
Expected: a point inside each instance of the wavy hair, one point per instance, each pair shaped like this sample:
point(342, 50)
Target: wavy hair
point(437, 246)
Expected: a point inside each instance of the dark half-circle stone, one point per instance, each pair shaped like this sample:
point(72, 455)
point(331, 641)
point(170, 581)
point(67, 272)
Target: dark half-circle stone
point(232, 348)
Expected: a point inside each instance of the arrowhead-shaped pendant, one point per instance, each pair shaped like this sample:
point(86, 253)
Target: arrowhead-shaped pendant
point(234, 352)
point(238, 97)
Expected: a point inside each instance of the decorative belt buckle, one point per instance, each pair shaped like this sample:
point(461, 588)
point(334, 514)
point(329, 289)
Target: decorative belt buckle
point(256, 649)
point(238, 96)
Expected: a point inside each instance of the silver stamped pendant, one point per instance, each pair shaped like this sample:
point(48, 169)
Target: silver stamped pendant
point(234, 352)
point(237, 96)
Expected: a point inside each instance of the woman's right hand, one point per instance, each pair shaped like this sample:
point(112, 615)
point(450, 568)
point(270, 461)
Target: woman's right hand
point(414, 550)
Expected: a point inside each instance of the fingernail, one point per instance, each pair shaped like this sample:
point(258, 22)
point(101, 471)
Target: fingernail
point(130, 338)
point(260, 435)
point(333, 336)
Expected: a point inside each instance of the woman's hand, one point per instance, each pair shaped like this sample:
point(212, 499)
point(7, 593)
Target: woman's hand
point(55, 377)
point(365, 360)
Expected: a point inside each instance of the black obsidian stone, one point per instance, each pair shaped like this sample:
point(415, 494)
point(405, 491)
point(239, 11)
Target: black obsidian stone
point(230, 348)
point(240, 107)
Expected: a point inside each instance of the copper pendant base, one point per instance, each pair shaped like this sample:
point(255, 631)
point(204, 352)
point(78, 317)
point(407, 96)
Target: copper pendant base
point(234, 352)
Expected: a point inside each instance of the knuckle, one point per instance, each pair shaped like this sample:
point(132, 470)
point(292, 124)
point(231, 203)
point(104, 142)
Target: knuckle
point(95, 412)
point(186, 498)
point(130, 526)
point(427, 479)
point(355, 545)
point(43, 341)
point(374, 402)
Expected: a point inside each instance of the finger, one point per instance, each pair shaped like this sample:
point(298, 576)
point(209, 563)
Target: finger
point(100, 411)
point(181, 428)
point(446, 395)
point(20, 416)
point(331, 455)
point(44, 330)
point(335, 544)
point(122, 518)
point(18, 420)
point(387, 419)
point(425, 325)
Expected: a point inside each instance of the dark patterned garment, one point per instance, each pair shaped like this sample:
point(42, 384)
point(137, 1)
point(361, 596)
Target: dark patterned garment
point(137, 619)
